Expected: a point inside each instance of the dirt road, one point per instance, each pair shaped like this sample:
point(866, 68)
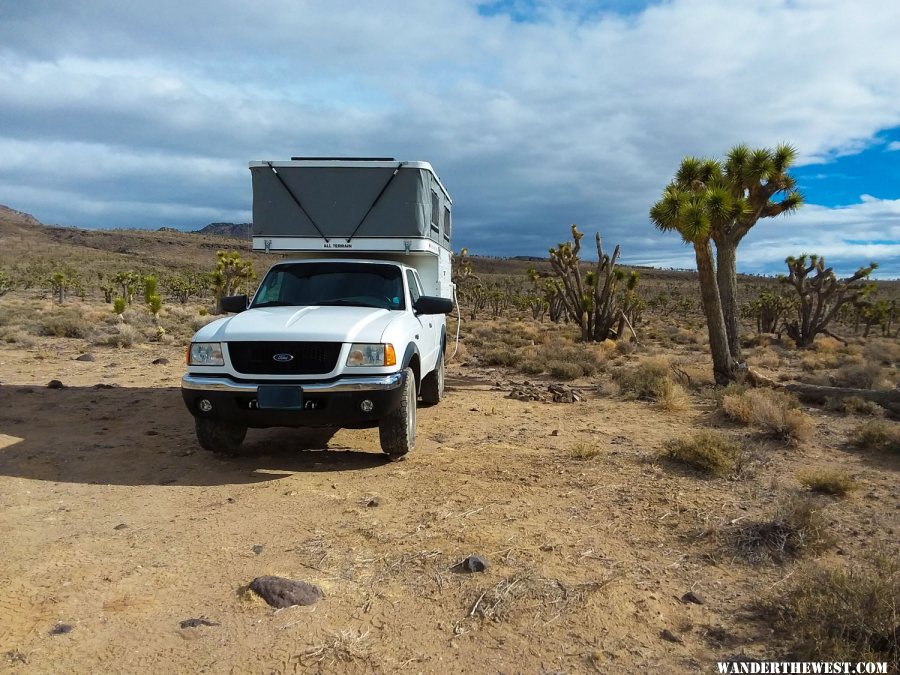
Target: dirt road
point(115, 523)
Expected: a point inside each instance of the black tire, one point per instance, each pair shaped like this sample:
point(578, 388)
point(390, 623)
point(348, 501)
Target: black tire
point(397, 431)
point(432, 389)
point(219, 437)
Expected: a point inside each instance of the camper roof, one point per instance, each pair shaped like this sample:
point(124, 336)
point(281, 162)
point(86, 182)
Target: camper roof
point(355, 163)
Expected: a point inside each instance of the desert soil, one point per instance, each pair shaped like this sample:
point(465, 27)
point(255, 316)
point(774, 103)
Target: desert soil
point(115, 523)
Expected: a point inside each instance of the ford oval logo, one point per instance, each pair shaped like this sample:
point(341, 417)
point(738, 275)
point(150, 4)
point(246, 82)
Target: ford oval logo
point(283, 358)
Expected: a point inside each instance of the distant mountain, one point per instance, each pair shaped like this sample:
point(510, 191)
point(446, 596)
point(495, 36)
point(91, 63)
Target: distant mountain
point(13, 217)
point(234, 230)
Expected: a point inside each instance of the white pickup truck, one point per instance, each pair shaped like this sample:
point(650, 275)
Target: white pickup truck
point(346, 343)
point(349, 341)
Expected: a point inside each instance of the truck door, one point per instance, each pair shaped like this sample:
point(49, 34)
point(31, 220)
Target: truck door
point(427, 335)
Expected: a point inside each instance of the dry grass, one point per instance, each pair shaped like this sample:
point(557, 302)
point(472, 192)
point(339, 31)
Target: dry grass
point(774, 412)
point(795, 527)
point(841, 614)
point(829, 482)
point(342, 647)
point(879, 435)
point(545, 598)
point(583, 451)
point(711, 452)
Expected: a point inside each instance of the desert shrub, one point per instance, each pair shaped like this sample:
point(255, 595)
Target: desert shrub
point(773, 412)
point(765, 357)
point(583, 451)
point(878, 435)
point(119, 305)
point(883, 351)
point(671, 396)
point(625, 347)
point(532, 366)
point(198, 322)
point(123, 335)
point(795, 527)
point(65, 325)
point(203, 311)
point(826, 344)
point(828, 482)
point(819, 361)
point(18, 337)
point(841, 614)
point(854, 405)
point(501, 356)
point(864, 376)
point(645, 380)
point(708, 451)
point(564, 370)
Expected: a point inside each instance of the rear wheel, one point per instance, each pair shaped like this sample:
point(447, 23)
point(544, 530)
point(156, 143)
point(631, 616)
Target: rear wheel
point(219, 437)
point(433, 384)
point(397, 431)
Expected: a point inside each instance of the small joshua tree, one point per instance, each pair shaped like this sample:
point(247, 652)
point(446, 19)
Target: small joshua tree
point(768, 309)
point(128, 281)
point(119, 305)
point(589, 300)
point(60, 283)
point(821, 295)
point(231, 275)
point(107, 287)
point(5, 283)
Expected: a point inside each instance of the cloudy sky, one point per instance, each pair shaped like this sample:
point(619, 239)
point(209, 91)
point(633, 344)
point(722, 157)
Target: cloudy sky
point(123, 113)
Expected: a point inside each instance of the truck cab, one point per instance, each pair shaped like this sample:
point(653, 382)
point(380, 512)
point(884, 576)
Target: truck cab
point(323, 342)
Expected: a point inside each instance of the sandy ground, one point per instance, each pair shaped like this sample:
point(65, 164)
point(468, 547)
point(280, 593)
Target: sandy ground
point(113, 521)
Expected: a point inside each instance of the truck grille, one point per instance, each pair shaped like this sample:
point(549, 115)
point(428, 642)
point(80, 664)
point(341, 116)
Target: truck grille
point(309, 358)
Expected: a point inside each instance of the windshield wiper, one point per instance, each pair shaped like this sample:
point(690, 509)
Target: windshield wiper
point(350, 303)
point(275, 303)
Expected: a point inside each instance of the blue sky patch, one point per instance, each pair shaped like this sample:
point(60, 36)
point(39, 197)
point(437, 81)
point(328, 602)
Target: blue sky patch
point(874, 171)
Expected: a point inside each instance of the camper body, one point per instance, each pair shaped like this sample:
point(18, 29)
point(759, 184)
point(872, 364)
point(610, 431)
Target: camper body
point(350, 330)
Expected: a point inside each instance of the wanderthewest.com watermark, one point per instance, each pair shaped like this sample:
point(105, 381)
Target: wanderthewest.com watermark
point(800, 667)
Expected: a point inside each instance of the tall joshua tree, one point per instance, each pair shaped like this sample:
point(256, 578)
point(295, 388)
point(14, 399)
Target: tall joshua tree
point(690, 205)
point(752, 184)
point(760, 187)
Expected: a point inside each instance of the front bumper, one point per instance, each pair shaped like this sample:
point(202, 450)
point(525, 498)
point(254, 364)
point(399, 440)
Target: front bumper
point(332, 403)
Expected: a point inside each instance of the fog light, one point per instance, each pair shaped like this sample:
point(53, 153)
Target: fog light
point(366, 405)
point(204, 405)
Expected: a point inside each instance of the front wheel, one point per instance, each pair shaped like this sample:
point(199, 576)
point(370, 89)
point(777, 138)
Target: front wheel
point(433, 384)
point(219, 437)
point(397, 431)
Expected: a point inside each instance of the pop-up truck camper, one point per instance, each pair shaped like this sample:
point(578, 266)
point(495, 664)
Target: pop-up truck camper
point(349, 329)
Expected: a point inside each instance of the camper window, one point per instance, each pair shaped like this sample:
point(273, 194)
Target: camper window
point(447, 224)
point(435, 212)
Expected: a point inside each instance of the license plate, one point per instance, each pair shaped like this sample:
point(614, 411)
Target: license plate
point(279, 397)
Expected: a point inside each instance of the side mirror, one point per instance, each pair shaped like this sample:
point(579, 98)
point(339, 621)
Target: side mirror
point(431, 304)
point(233, 303)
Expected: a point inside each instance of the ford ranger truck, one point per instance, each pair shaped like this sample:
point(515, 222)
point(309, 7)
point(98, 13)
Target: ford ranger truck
point(331, 343)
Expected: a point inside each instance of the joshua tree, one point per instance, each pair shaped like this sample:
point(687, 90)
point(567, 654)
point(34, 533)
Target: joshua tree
point(821, 295)
point(689, 208)
point(760, 187)
point(591, 300)
point(232, 273)
point(752, 184)
point(768, 309)
point(5, 283)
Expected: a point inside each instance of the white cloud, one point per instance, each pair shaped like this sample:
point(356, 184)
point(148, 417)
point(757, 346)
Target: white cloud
point(571, 117)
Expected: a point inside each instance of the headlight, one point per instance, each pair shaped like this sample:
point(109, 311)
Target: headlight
point(206, 354)
point(371, 355)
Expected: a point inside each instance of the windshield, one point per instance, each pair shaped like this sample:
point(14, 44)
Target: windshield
point(332, 284)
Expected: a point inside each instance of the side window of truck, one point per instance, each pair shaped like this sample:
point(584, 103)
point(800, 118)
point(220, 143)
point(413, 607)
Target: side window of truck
point(415, 291)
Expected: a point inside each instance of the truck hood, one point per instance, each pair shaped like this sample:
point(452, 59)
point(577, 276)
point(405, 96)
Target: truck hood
point(308, 324)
